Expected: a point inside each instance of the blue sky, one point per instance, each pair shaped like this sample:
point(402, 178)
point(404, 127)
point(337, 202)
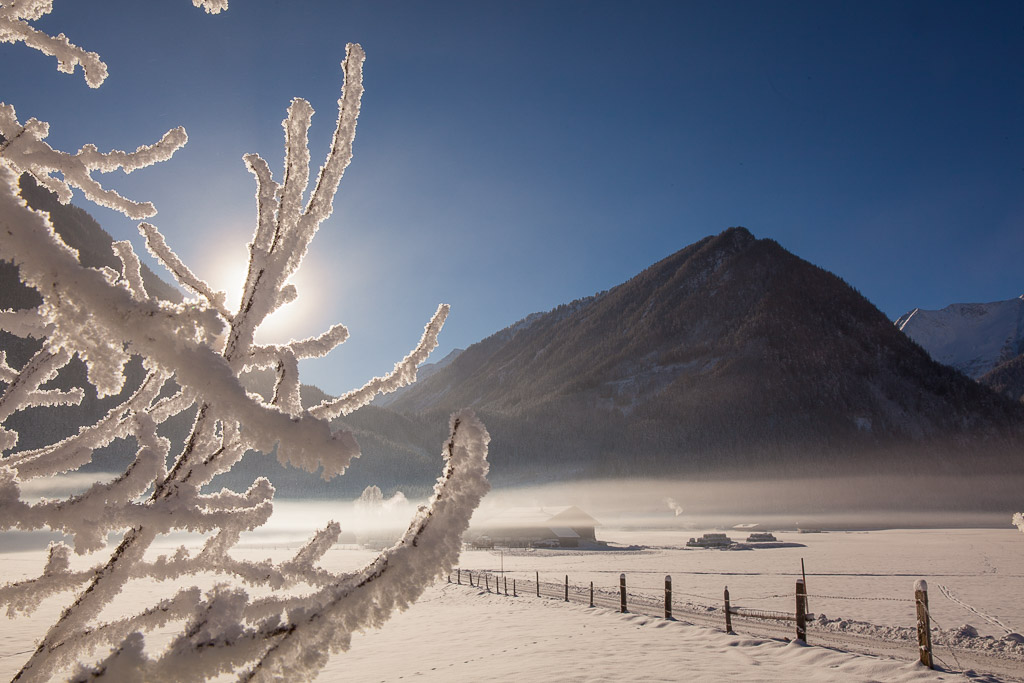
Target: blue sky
point(512, 156)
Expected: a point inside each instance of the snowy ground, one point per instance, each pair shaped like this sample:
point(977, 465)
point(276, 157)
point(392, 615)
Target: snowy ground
point(460, 634)
point(860, 585)
point(861, 581)
point(867, 576)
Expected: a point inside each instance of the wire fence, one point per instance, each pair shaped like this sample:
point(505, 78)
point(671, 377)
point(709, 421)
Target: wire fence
point(746, 615)
point(644, 602)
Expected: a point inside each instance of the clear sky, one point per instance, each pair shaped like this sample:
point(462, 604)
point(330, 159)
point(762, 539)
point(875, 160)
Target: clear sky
point(515, 155)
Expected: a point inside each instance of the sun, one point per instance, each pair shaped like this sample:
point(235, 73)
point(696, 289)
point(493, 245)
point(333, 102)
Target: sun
point(225, 267)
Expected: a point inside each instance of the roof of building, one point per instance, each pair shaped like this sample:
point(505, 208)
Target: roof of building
point(548, 518)
point(564, 532)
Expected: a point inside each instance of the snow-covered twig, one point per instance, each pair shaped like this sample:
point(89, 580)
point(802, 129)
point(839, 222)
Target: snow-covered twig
point(403, 374)
point(25, 151)
point(212, 6)
point(157, 246)
point(14, 28)
point(193, 354)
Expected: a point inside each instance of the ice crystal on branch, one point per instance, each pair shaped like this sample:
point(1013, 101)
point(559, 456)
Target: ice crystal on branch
point(193, 354)
point(212, 6)
point(23, 150)
point(14, 28)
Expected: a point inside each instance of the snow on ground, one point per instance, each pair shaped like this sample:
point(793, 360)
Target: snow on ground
point(457, 633)
point(865, 576)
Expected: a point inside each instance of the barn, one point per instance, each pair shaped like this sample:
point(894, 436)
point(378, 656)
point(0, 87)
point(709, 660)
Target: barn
point(562, 527)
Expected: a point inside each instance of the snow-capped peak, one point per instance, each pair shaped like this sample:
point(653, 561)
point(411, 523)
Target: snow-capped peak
point(973, 338)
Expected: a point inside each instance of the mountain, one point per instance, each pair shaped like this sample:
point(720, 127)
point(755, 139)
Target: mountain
point(729, 356)
point(1007, 378)
point(973, 338)
point(984, 341)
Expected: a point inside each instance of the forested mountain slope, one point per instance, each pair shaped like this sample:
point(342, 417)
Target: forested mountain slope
point(731, 355)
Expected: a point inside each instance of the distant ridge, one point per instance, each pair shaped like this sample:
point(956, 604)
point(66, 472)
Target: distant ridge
point(984, 341)
point(1007, 378)
point(729, 355)
point(973, 338)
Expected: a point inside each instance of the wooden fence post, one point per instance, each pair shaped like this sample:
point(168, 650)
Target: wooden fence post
point(668, 597)
point(470, 578)
point(801, 614)
point(803, 575)
point(622, 593)
point(459, 575)
point(538, 583)
point(567, 588)
point(506, 584)
point(924, 629)
point(514, 595)
point(591, 593)
point(449, 578)
point(487, 580)
point(728, 612)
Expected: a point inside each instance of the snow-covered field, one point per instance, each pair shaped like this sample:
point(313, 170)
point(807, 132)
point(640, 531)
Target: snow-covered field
point(459, 634)
point(456, 633)
point(862, 575)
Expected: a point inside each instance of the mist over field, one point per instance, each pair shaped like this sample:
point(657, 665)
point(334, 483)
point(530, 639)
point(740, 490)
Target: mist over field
point(814, 502)
point(811, 503)
point(864, 502)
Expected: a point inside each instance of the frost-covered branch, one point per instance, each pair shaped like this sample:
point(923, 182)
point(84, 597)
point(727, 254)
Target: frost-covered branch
point(193, 355)
point(155, 331)
point(1018, 520)
point(403, 374)
point(397, 577)
point(14, 28)
point(212, 6)
point(25, 152)
point(24, 387)
point(75, 451)
point(131, 270)
point(157, 246)
point(291, 638)
point(25, 323)
point(284, 228)
point(215, 558)
point(24, 597)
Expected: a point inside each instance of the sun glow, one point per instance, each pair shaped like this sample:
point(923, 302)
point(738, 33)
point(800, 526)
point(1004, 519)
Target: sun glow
point(225, 268)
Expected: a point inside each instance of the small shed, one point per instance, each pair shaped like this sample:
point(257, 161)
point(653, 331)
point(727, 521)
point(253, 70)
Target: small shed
point(563, 527)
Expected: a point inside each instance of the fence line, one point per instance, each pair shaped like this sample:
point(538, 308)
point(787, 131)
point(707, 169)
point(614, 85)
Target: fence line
point(644, 603)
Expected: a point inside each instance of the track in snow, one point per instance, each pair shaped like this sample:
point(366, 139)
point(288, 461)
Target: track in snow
point(987, 617)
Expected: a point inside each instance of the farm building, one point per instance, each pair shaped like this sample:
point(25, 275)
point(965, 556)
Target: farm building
point(564, 527)
point(713, 540)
